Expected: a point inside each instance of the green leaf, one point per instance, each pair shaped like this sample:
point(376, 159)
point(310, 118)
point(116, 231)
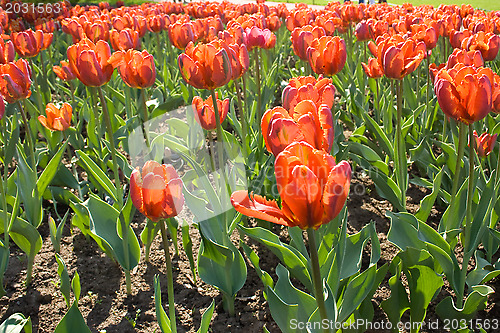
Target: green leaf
point(266, 279)
point(103, 225)
point(428, 201)
point(26, 182)
point(75, 285)
point(65, 286)
point(50, 170)
point(72, 322)
point(206, 318)
point(187, 244)
point(161, 316)
point(404, 231)
point(288, 255)
point(15, 324)
point(91, 167)
point(387, 188)
point(476, 301)
point(397, 303)
point(148, 234)
point(24, 234)
point(356, 291)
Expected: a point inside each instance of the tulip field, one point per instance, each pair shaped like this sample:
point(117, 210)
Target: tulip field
point(252, 167)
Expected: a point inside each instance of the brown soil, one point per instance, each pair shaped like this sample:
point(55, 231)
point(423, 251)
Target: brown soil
point(106, 307)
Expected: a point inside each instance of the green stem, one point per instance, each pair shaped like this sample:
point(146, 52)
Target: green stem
point(468, 222)
point(109, 129)
point(257, 71)
point(145, 119)
point(29, 135)
point(37, 89)
point(401, 164)
point(44, 78)
point(243, 119)
point(220, 137)
point(170, 279)
point(377, 110)
point(128, 98)
point(317, 282)
point(462, 132)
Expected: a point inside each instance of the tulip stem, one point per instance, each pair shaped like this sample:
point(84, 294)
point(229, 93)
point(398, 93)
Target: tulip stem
point(377, 110)
point(401, 164)
point(145, 126)
point(317, 282)
point(462, 132)
point(243, 119)
point(257, 71)
point(170, 279)
point(109, 128)
point(29, 135)
point(468, 219)
point(37, 88)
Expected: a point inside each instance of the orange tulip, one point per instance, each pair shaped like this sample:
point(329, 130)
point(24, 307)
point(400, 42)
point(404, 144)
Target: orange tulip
point(205, 113)
point(362, 31)
point(15, 80)
point(299, 18)
point(155, 23)
point(327, 55)
point(48, 37)
point(74, 28)
point(487, 43)
point(302, 38)
point(157, 191)
point(64, 71)
point(180, 34)
point(205, 66)
point(137, 69)
point(27, 43)
point(305, 122)
point(97, 30)
point(373, 68)
point(313, 189)
point(320, 91)
point(124, 39)
point(468, 58)
point(7, 51)
point(89, 62)
point(261, 38)
point(484, 144)
point(426, 34)
point(58, 119)
point(464, 92)
point(240, 60)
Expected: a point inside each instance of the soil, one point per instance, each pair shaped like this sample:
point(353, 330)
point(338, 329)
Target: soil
point(106, 307)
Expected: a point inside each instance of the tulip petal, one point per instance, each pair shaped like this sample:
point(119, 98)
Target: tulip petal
point(258, 207)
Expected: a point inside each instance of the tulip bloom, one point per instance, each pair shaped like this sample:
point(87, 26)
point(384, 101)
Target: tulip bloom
point(468, 58)
point(205, 66)
point(58, 119)
point(240, 60)
point(327, 55)
point(373, 69)
point(181, 34)
point(89, 62)
point(484, 144)
point(15, 80)
point(205, 113)
point(124, 40)
point(456, 37)
point(137, 69)
point(64, 72)
point(261, 38)
point(313, 189)
point(464, 92)
point(320, 91)
point(28, 43)
point(156, 191)
point(426, 34)
point(487, 43)
point(7, 51)
point(97, 30)
point(362, 31)
point(305, 122)
point(303, 37)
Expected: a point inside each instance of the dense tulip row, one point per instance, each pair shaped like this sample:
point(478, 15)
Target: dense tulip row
point(342, 111)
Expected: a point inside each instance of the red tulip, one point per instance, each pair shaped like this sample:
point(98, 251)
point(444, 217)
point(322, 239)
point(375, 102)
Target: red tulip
point(205, 113)
point(97, 30)
point(305, 122)
point(426, 34)
point(320, 91)
point(64, 72)
point(157, 191)
point(373, 69)
point(484, 144)
point(257, 37)
point(464, 92)
point(205, 66)
point(137, 69)
point(156, 23)
point(468, 58)
point(240, 60)
point(362, 31)
point(7, 51)
point(28, 43)
point(303, 37)
point(58, 119)
point(181, 34)
point(313, 189)
point(125, 39)
point(487, 43)
point(327, 55)
point(15, 80)
point(89, 62)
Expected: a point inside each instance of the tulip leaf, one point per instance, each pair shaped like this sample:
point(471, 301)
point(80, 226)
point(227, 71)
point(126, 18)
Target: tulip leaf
point(206, 318)
point(103, 225)
point(187, 244)
point(428, 201)
point(72, 322)
point(387, 188)
point(26, 182)
point(161, 316)
point(380, 135)
point(455, 213)
point(266, 279)
point(476, 301)
point(65, 285)
point(10, 148)
point(404, 231)
point(483, 272)
point(288, 255)
point(50, 170)
point(92, 168)
point(397, 303)
point(356, 291)
point(16, 323)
